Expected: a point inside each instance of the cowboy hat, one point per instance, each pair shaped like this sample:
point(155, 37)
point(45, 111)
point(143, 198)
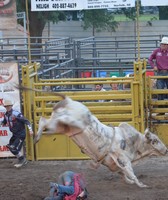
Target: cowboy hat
point(7, 103)
point(164, 40)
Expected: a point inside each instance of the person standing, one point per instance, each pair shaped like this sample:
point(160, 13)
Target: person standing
point(158, 60)
point(16, 122)
point(99, 87)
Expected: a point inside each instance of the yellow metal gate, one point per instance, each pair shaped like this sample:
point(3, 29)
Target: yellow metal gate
point(130, 106)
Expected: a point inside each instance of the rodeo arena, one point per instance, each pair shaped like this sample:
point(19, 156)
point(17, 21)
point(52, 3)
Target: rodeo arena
point(82, 116)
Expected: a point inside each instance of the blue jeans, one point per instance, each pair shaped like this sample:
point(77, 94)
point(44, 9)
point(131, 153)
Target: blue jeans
point(66, 189)
point(162, 83)
point(54, 198)
point(17, 143)
point(62, 191)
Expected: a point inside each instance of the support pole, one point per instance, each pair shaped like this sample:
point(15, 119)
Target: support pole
point(28, 32)
point(138, 31)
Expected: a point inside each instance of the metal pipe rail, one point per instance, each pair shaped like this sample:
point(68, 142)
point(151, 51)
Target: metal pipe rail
point(92, 53)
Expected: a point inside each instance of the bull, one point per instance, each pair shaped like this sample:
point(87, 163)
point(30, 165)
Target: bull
point(115, 147)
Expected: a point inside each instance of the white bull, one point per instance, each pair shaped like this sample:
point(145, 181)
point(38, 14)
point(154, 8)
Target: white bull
point(114, 147)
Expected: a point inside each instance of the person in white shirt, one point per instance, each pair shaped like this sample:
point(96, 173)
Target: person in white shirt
point(99, 87)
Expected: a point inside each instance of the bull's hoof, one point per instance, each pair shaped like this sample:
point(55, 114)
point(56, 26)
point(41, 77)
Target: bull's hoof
point(141, 185)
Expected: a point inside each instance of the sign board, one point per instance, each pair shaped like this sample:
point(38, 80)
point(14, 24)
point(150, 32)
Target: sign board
point(52, 5)
point(154, 3)
point(8, 77)
point(103, 4)
point(8, 14)
point(5, 136)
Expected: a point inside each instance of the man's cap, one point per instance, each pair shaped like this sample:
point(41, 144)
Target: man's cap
point(129, 75)
point(164, 40)
point(7, 103)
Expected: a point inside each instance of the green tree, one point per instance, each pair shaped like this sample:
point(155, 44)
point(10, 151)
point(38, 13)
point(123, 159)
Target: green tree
point(131, 13)
point(99, 20)
point(37, 20)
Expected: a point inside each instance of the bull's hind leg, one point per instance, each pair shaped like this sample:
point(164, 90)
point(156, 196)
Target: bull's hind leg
point(60, 123)
point(42, 124)
point(125, 165)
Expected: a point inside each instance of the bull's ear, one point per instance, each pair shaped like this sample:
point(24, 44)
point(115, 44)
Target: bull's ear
point(148, 134)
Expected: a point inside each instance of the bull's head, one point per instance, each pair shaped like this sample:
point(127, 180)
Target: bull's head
point(156, 143)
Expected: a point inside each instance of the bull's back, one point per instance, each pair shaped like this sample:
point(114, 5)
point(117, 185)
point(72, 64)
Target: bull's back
point(129, 131)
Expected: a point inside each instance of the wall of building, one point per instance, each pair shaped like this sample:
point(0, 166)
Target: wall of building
point(74, 29)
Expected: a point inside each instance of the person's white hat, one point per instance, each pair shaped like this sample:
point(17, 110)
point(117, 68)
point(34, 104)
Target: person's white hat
point(164, 40)
point(7, 103)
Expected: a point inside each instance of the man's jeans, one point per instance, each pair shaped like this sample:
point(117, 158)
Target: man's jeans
point(162, 83)
point(62, 191)
point(66, 189)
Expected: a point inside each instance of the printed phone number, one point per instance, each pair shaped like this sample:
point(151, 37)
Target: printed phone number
point(64, 5)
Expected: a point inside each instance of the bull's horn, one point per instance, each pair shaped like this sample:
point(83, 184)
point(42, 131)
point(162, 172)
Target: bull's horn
point(147, 131)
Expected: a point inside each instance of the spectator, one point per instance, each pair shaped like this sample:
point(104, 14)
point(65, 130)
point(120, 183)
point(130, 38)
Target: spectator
point(99, 87)
point(127, 86)
point(114, 86)
point(159, 62)
point(16, 122)
point(70, 186)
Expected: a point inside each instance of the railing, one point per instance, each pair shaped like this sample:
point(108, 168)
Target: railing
point(60, 56)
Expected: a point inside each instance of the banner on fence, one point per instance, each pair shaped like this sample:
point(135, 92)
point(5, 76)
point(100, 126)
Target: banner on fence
point(8, 78)
point(5, 136)
point(8, 14)
point(51, 5)
point(154, 3)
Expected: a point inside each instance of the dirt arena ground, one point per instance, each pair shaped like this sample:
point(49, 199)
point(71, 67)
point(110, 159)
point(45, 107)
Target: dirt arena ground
point(31, 182)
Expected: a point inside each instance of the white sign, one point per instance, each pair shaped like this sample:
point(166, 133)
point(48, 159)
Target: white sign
point(5, 136)
point(52, 5)
point(104, 4)
point(154, 3)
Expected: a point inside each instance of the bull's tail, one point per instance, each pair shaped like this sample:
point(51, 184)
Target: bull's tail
point(23, 88)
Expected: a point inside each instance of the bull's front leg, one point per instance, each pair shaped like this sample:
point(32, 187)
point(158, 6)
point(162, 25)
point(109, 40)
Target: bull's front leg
point(127, 180)
point(125, 165)
point(130, 176)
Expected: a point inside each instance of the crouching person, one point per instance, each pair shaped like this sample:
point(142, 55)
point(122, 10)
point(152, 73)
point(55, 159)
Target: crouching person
point(70, 186)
